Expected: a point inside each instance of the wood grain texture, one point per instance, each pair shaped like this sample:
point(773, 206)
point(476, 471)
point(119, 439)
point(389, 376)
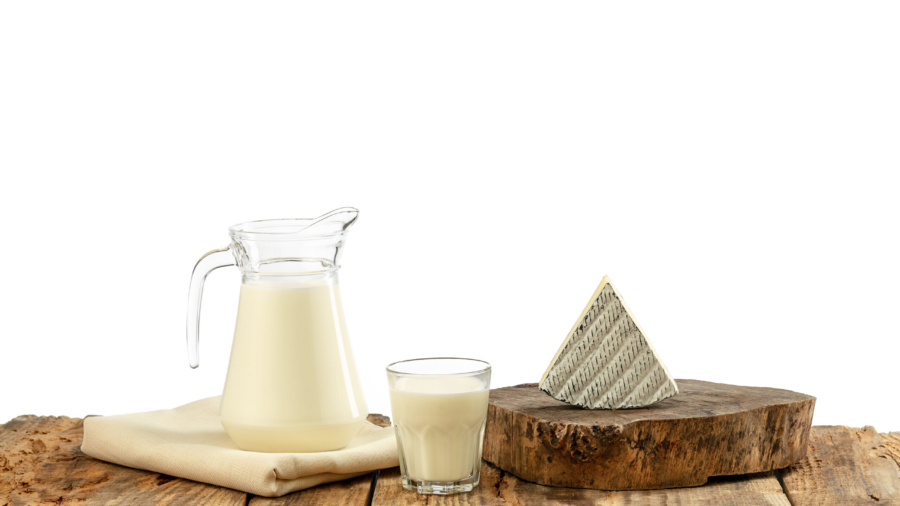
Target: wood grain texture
point(498, 487)
point(707, 430)
point(845, 466)
point(41, 463)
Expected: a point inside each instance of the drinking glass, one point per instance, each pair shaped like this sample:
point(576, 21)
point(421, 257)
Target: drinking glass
point(439, 407)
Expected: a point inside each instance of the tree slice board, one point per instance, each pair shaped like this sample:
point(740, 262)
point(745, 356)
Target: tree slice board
point(709, 429)
point(843, 467)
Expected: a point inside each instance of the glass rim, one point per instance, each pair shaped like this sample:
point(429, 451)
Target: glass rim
point(438, 375)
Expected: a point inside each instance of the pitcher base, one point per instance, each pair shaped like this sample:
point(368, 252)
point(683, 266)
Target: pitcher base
point(287, 438)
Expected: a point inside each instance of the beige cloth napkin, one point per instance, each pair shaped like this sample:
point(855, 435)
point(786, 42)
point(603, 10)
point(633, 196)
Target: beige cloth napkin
point(189, 442)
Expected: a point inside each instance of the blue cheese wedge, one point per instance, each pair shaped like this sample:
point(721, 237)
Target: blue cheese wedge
point(606, 360)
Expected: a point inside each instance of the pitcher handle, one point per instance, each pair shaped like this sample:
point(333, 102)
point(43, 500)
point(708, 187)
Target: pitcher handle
point(207, 263)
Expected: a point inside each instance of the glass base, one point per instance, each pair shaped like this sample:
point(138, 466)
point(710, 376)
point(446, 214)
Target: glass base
point(440, 487)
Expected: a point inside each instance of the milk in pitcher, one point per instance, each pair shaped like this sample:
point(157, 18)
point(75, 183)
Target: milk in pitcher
point(292, 383)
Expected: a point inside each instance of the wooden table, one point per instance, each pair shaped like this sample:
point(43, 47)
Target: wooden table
point(41, 464)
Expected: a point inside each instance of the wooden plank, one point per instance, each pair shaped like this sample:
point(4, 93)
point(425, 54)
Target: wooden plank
point(709, 429)
point(848, 467)
point(349, 492)
point(498, 487)
point(41, 463)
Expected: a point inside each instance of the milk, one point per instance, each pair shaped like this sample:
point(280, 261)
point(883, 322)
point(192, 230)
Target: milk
point(439, 425)
point(291, 385)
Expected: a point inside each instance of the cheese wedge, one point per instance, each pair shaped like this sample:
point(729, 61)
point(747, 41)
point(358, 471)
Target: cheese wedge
point(606, 360)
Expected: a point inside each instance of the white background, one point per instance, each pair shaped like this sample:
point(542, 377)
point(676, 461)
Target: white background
point(733, 166)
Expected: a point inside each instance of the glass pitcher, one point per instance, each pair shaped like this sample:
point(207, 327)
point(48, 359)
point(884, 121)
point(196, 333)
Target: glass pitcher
point(292, 384)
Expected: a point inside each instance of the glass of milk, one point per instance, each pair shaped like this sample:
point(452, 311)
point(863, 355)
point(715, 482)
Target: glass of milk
point(439, 407)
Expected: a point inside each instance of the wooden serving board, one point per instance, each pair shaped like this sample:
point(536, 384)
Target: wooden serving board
point(708, 429)
point(41, 464)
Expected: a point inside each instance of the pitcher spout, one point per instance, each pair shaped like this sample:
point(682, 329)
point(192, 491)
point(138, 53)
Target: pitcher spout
point(292, 247)
point(293, 229)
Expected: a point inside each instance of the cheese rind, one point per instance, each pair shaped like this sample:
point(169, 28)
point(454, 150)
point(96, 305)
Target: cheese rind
point(606, 361)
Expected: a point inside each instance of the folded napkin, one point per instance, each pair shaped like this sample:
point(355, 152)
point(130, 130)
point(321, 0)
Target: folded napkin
point(189, 442)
